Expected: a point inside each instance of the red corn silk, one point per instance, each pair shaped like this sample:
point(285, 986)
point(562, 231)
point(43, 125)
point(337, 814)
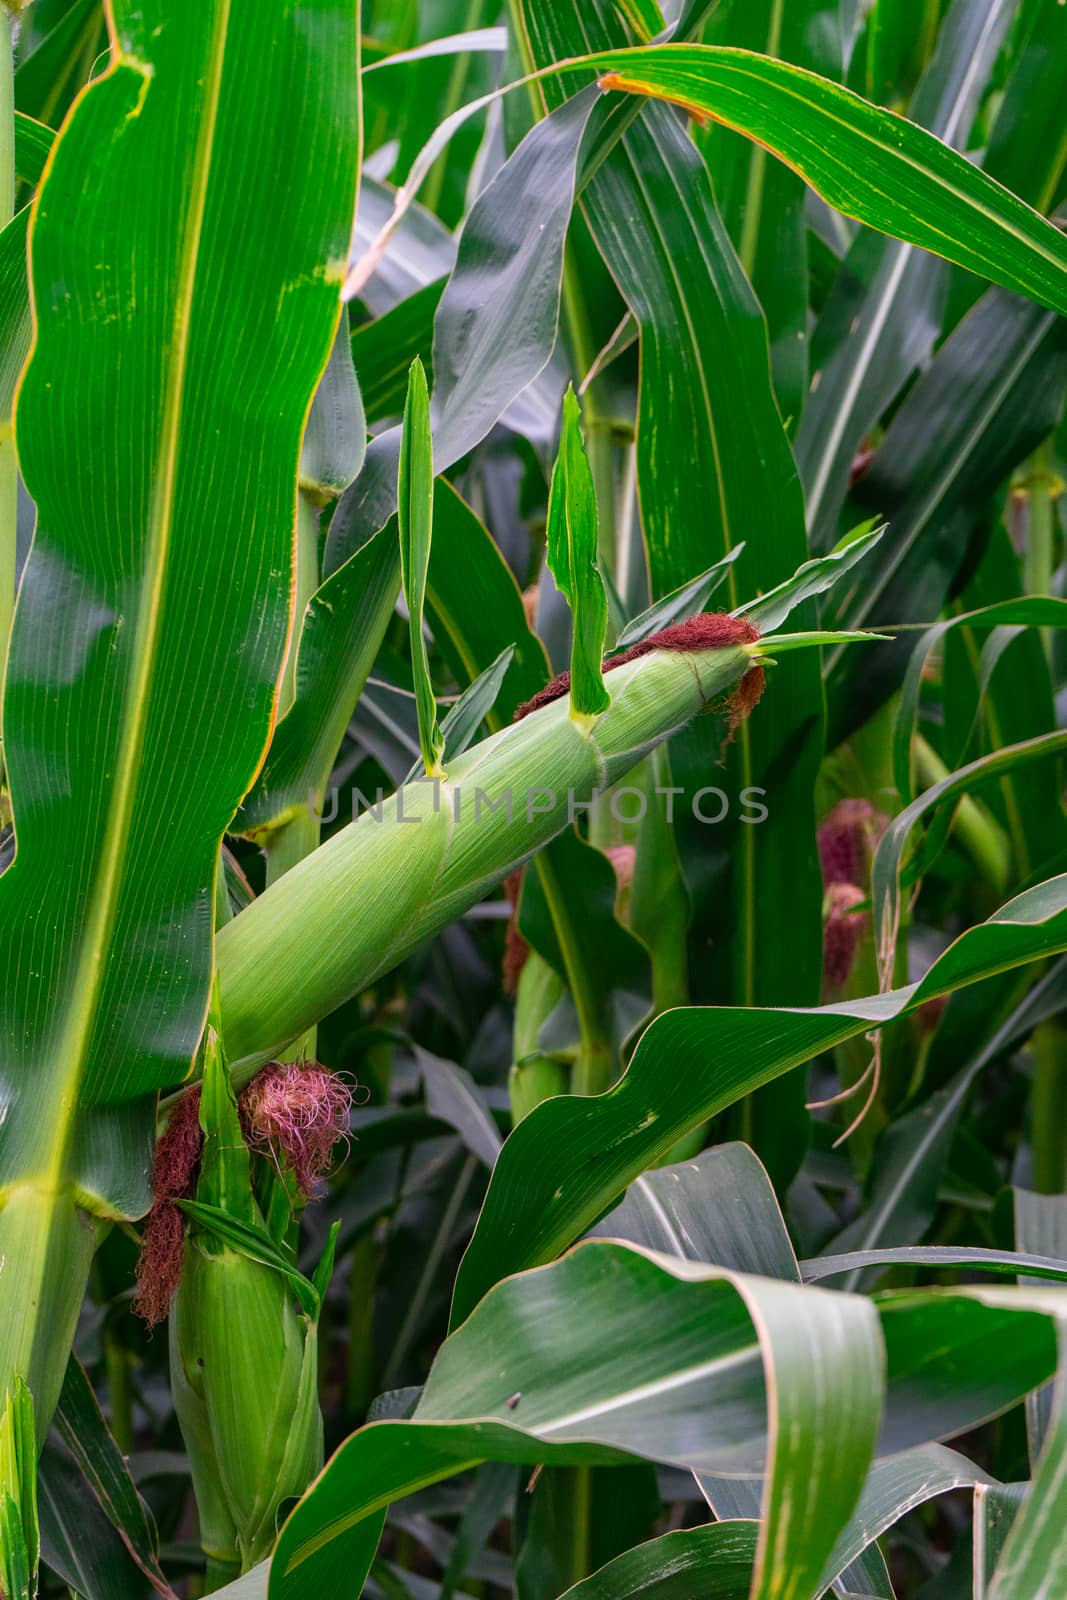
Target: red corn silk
point(712, 630)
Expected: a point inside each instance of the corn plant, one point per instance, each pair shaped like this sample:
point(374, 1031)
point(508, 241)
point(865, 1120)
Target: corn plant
point(533, 863)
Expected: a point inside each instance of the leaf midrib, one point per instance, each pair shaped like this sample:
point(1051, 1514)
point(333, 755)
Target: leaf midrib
point(67, 1056)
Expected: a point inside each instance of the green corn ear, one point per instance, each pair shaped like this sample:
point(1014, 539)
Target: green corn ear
point(375, 891)
point(243, 1357)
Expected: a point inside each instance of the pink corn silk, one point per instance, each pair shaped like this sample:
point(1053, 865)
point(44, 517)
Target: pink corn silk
point(300, 1110)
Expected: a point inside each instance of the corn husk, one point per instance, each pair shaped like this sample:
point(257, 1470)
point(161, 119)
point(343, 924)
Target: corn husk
point(379, 888)
point(243, 1351)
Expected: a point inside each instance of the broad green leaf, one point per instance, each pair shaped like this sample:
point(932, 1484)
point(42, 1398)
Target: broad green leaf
point(572, 536)
point(415, 513)
point(500, 1389)
point(164, 648)
point(599, 1387)
point(569, 1159)
point(712, 1563)
point(719, 1208)
point(893, 1488)
point(870, 164)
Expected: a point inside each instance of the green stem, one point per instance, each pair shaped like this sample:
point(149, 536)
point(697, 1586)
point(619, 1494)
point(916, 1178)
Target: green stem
point(120, 1393)
point(1042, 486)
point(294, 840)
point(593, 1070)
point(978, 832)
point(1049, 1108)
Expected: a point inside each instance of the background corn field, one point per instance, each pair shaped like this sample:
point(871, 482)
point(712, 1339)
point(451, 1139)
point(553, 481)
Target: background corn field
point(467, 1131)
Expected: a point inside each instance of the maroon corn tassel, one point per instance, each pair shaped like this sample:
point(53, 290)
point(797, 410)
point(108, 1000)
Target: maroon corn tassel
point(844, 929)
point(847, 841)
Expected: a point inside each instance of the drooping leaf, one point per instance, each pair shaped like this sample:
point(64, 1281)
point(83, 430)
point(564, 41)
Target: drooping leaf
point(597, 1387)
point(868, 163)
point(570, 1158)
point(622, 1394)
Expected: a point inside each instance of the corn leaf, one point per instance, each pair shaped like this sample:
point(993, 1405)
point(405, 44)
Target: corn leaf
point(634, 1390)
point(690, 1065)
point(718, 1208)
point(686, 601)
point(140, 641)
point(871, 164)
point(572, 554)
point(415, 502)
point(625, 1391)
